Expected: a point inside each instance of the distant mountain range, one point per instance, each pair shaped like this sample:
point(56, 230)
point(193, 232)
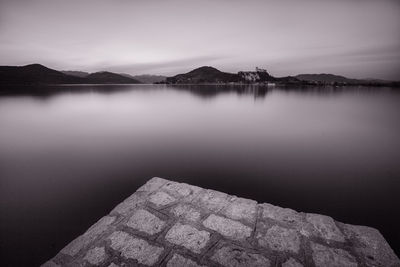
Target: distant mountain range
point(39, 74)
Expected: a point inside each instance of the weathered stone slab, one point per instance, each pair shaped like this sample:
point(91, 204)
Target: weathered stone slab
point(180, 261)
point(227, 227)
point(331, 257)
point(84, 240)
point(292, 263)
point(325, 227)
point(161, 199)
point(242, 209)
point(212, 200)
point(371, 246)
point(96, 255)
point(187, 212)
point(176, 224)
point(230, 256)
point(144, 221)
point(280, 239)
point(135, 248)
point(188, 237)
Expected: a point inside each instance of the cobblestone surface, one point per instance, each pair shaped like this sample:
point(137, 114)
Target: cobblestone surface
point(165, 223)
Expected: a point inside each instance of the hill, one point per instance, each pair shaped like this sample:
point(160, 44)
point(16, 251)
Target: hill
point(204, 74)
point(76, 73)
point(39, 74)
point(105, 77)
point(326, 78)
point(34, 73)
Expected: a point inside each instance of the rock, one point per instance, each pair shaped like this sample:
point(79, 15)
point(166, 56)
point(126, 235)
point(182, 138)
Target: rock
point(291, 263)
point(82, 241)
point(152, 185)
point(161, 199)
point(131, 203)
point(186, 212)
point(280, 239)
point(96, 255)
point(227, 227)
point(135, 248)
point(179, 261)
point(325, 227)
point(212, 200)
point(188, 237)
point(237, 257)
point(144, 221)
point(242, 209)
point(331, 257)
point(283, 215)
point(371, 246)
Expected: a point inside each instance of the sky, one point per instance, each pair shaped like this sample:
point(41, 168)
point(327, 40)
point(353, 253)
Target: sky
point(354, 38)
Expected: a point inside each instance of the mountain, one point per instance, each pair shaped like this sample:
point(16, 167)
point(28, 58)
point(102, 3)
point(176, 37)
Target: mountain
point(76, 73)
point(204, 74)
point(34, 73)
point(104, 77)
point(39, 74)
point(147, 78)
point(327, 78)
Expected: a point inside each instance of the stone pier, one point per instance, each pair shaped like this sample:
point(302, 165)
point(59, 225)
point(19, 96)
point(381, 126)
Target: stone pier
point(165, 223)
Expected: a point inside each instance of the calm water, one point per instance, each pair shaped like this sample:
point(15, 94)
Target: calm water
point(67, 159)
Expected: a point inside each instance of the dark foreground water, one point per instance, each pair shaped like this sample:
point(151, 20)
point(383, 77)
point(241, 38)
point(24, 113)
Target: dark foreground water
point(67, 159)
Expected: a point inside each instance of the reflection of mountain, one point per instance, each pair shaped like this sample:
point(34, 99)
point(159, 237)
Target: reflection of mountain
point(39, 74)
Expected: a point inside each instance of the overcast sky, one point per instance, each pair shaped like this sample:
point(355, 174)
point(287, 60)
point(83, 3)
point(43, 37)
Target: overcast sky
point(355, 38)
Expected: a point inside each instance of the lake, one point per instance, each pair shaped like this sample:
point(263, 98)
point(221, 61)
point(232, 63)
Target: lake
point(67, 158)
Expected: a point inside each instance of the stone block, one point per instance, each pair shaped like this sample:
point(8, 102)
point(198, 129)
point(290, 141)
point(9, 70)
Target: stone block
point(188, 237)
point(325, 227)
point(371, 246)
point(232, 256)
point(280, 239)
point(227, 227)
point(283, 215)
point(144, 221)
point(331, 257)
point(131, 203)
point(180, 261)
point(291, 263)
point(242, 209)
point(152, 185)
point(135, 248)
point(96, 255)
point(212, 200)
point(187, 212)
point(161, 199)
point(84, 240)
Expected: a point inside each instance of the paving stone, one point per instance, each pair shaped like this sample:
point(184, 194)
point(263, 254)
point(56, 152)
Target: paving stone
point(82, 241)
point(131, 203)
point(280, 239)
point(188, 237)
point(180, 261)
point(212, 200)
point(153, 185)
point(186, 212)
point(331, 257)
point(284, 215)
point(371, 246)
point(325, 227)
point(135, 248)
point(237, 257)
point(50, 264)
point(96, 255)
point(280, 232)
point(144, 221)
point(227, 227)
point(241, 208)
point(291, 263)
point(161, 199)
